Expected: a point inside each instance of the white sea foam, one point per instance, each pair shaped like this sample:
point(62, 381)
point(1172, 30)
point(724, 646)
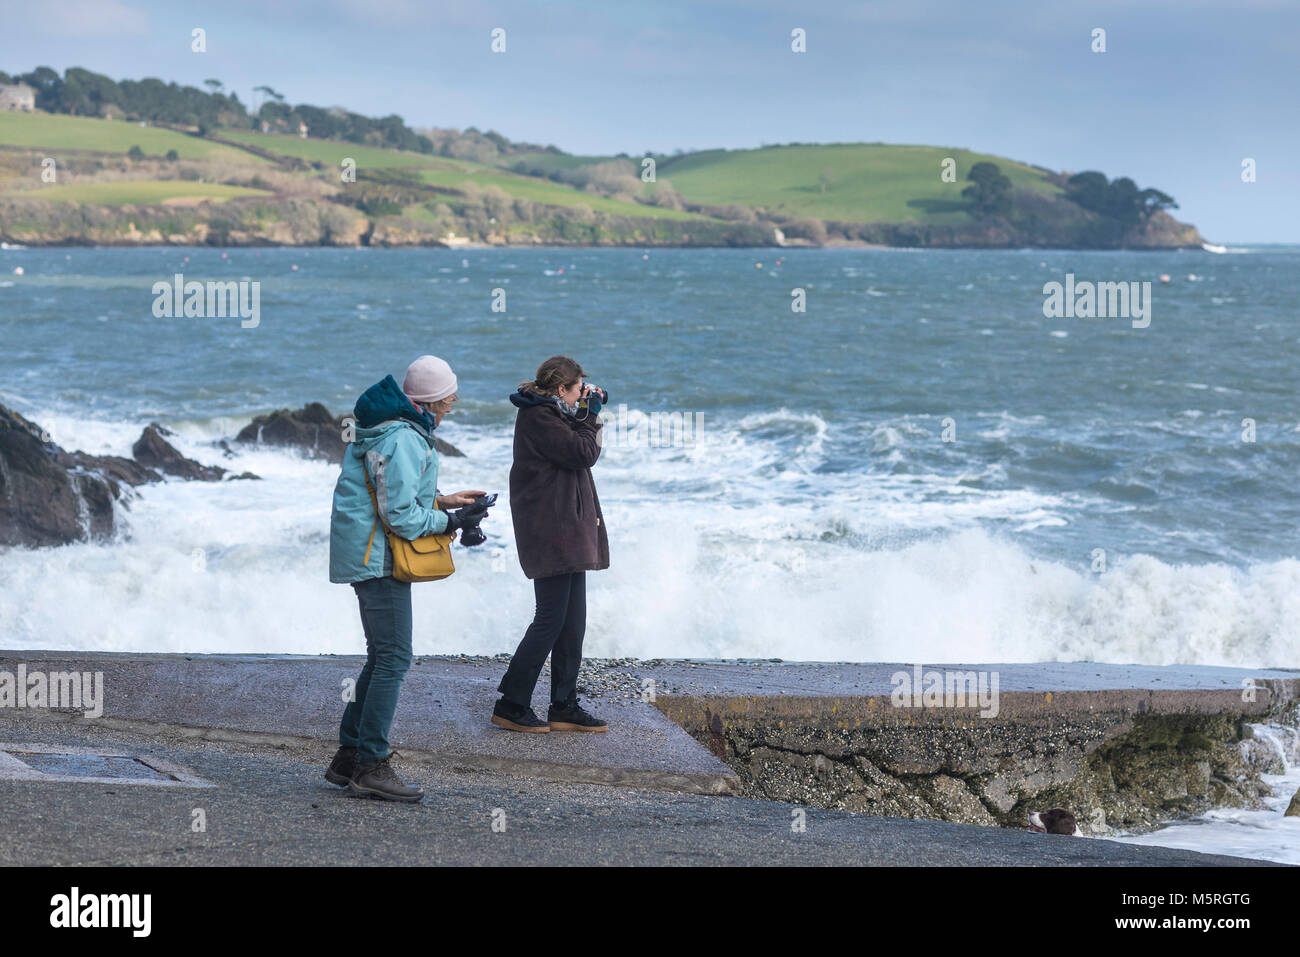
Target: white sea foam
point(735, 548)
point(1264, 833)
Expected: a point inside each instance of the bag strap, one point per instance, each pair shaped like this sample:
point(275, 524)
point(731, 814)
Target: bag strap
point(373, 499)
point(378, 518)
point(369, 545)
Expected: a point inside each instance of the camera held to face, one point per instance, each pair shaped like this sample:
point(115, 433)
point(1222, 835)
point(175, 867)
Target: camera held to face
point(592, 395)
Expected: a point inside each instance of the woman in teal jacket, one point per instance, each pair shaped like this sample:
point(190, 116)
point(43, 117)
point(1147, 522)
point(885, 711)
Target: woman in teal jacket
point(393, 447)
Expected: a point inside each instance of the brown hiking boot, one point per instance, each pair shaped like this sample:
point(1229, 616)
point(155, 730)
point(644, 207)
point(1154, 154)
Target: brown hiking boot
point(343, 767)
point(379, 780)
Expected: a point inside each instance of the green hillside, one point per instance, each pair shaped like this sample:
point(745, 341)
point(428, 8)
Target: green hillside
point(332, 152)
point(544, 191)
point(861, 183)
point(860, 193)
point(445, 171)
point(140, 191)
point(58, 132)
point(550, 162)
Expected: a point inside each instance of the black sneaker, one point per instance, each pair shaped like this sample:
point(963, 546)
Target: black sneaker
point(569, 716)
point(343, 767)
point(379, 780)
point(514, 718)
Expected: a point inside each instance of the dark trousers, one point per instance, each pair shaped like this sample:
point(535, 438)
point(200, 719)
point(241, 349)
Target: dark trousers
point(557, 629)
point(386, 618)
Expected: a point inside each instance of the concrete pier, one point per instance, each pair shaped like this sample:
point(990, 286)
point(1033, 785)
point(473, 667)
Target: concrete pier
point(253, 734)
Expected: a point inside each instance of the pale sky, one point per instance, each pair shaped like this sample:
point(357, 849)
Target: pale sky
point(1185, 91)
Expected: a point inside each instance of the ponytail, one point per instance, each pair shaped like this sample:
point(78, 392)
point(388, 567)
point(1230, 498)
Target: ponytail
point(554, 374)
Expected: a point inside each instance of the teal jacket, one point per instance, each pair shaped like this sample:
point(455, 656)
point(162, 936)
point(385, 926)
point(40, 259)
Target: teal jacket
point(394, 443)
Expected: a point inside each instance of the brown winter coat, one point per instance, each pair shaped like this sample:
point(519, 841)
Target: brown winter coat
point(558, 524)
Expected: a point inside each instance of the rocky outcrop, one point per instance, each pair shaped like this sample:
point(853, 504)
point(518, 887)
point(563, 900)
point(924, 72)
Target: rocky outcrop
point(392, 231)
point(1269, 750)
point(50, 496)
point(153, 451)
point(313, 431)
point(119, 469)
point(1293, 810)
point(1162, 231)
point(44, 502)
point(253, 221)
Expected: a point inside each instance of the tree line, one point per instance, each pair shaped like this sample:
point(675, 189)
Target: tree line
point(1118, 200)
point(80, 92)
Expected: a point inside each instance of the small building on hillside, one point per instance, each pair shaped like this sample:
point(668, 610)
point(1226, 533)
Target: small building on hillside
point(17, 96)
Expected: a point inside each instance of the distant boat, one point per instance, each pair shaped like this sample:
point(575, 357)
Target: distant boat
point(1211, 248)
point(11, 246)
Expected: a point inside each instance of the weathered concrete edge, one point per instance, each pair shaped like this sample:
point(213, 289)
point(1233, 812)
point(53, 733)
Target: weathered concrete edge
point(1271, 696)
point(722, 784)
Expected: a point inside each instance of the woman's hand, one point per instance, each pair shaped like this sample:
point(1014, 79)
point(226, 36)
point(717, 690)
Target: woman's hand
point(595, 397)
point(458, 499)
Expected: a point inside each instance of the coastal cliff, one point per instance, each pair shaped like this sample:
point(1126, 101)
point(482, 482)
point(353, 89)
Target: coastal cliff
point(307, 221)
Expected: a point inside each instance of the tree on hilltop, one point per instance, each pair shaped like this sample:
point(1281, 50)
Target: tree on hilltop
point(989, 191)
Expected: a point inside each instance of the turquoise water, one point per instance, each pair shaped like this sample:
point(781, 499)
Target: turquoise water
point(1097, 499)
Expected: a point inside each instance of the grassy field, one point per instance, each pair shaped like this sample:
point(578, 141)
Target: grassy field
point(332, 153)
point(544, 191)
point(856, 182)
point(553, 161)
point(139, 192)
point(454, 173)
point(57, 132)
point(864, 183)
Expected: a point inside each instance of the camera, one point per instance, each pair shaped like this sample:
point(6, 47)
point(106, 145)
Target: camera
point(472, 535)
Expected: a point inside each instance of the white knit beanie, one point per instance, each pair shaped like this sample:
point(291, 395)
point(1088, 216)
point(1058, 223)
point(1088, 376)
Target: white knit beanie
point(429, 379)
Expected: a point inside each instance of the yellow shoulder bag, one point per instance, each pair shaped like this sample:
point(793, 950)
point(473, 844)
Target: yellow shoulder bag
point(426, 559)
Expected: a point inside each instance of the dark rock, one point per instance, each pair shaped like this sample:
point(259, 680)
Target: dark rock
point(50, 496)
point(152, 450)
point(126, 471)
point(41, 501)
point(446, 448)
point(313, 431)
point(1293, 810)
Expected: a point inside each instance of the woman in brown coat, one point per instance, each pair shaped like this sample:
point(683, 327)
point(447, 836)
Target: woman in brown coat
point(560, 534)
